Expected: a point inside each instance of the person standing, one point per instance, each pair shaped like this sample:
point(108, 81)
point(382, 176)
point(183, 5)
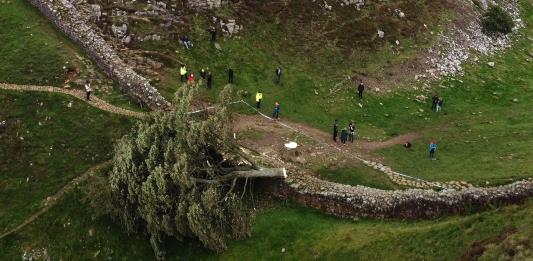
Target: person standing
point(88, 90)
point(213, 32)
point(351, 129)
point(203, 74)
point(209, 80)
point(276, 110)
point(190, 80)
point(183, 73)
point(344, 136)
point(335, 130)
point(258, 99)
point(186, 42)
point(440, 102)
point(360, 90)
point(434, 101)
point(432, 149)
point(278, 75)
point(230, 75)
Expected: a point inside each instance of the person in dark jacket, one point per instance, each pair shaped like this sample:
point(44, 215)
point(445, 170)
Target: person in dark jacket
point(351, 129)
point(335, 130)
point(278, 75)
point(434, 101)
point(360, 90)
point(209, 80)
point(213, 32)
point(344, 136)
point(440, 103)
point(230, 75)
point(203, 74)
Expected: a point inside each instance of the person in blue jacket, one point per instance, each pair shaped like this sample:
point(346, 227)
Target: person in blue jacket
point(432, 149)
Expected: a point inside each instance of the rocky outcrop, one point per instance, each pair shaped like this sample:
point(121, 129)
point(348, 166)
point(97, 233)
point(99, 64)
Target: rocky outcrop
point(464, 40)
point(74, 23)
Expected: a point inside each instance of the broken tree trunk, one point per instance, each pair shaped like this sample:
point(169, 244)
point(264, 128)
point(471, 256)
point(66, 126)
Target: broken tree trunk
point(279, 173)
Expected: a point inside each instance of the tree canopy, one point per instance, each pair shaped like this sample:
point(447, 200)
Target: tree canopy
point(169, 177)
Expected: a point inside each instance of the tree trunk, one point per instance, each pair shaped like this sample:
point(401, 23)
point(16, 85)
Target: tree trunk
point(279, 173)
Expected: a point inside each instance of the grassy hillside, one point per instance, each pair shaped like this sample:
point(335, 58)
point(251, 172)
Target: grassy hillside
point(45, 144)
point(71, 231)
point(485, 132)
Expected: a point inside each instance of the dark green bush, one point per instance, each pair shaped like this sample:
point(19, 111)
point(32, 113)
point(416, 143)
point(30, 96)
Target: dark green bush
point(497, 21)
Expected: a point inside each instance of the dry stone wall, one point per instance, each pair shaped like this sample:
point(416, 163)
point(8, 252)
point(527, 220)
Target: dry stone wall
point(74, 24)
point(206, 4)
point(359, 201)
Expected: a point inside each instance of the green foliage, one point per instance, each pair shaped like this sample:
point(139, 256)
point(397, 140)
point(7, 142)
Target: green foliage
point(497, 21)
point(155, 181)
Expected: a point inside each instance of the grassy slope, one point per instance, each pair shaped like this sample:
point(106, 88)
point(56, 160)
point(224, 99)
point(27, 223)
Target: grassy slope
point(33, 52)
point(45, 144)
point(305, 234)
point(482, 89)
point(484, 135)
point(266, 44)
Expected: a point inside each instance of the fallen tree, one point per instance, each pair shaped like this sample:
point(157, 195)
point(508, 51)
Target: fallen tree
point(181, 175)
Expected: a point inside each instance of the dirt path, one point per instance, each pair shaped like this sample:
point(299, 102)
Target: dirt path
point(54, 199)
point(255, 121)
point(276, 133)
point(95, 101)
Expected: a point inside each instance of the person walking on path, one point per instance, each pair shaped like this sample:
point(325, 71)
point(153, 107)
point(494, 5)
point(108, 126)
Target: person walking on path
point(344, 136)
point(278, 75)
point(432, 149)
point(230, 75)
point(190, 80)
point(258, 99)
point(276, 110)
point(360, 90)
point(209, 80)
point(335, 130)
point(88, 90)
point(351, 129)
point(440, 102)
point(434, 101)
point(183, 73)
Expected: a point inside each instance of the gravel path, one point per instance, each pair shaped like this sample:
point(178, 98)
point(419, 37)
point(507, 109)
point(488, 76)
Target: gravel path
point(95, 101)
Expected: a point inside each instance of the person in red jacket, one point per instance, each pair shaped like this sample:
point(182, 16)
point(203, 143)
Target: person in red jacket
point(191, 79)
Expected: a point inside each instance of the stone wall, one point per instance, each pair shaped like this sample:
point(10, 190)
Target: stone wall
point(358, 201)
point(206, 4)
point(75, 25)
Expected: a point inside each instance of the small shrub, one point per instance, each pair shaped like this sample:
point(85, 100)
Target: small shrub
point(497, 21)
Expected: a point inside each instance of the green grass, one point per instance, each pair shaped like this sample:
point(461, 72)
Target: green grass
point(482, 89)
point(483, 134)
point(32, 51)
point(358, 175)
point(45, 144)
point(305, 234)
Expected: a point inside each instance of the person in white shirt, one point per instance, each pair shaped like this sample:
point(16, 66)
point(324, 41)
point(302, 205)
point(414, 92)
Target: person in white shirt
point(88, 90)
